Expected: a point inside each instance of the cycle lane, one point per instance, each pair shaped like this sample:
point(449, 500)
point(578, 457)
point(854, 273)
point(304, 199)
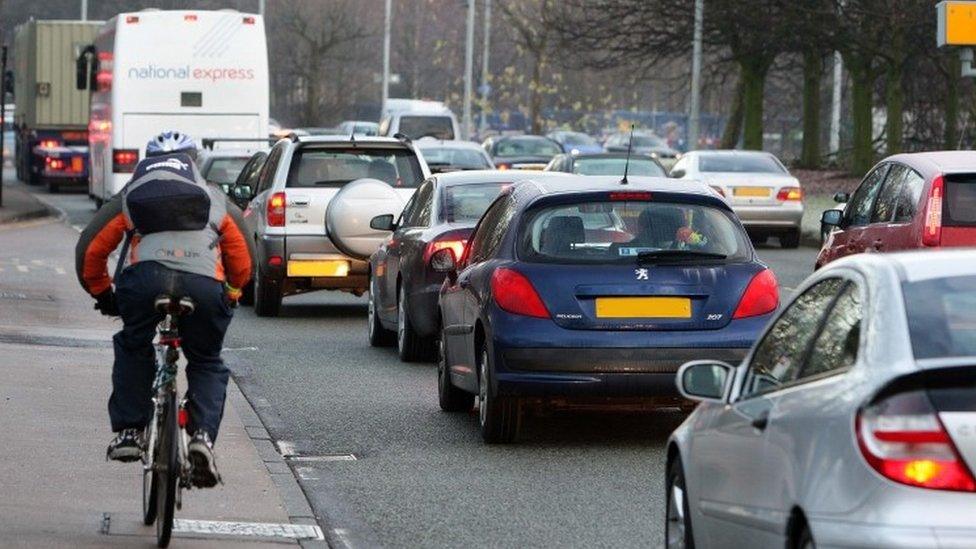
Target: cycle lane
point(56, 489)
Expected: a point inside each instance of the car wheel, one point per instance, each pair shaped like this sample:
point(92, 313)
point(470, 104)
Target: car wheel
point(790, 239)
point(677, 526)
point(267, 296)
point(498, 415)
point(53, 186)
point(247, 294)
point(410, 346)
point(805, 539)
point(378, 335)
point(452, 399)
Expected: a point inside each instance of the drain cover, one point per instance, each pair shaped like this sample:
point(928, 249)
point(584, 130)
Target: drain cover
point(247, 529)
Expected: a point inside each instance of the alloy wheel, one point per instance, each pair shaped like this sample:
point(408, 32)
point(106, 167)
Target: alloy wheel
point(371, 308)
point(483, 388)
point(401, 322)
point(676, 517)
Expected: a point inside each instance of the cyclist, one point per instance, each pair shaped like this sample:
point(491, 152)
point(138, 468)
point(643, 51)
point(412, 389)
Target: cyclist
point(184, 237)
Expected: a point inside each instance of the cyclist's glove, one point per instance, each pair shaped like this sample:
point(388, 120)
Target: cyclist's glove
point(105, 302)
point(231, 295)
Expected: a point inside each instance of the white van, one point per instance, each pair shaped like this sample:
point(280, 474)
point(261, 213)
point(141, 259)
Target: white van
point(204, 73)
point(416, 119)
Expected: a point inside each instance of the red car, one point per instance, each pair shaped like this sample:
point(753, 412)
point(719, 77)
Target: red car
point(907, 201)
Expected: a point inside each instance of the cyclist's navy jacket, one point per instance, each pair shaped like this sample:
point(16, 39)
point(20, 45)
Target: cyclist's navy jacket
point(219, 250)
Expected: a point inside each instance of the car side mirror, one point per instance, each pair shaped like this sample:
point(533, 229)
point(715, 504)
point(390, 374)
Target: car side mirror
point(444, 262)
point(241, 192)
point(831, 218)
point(705, 380)
point(841, 198)
point(382, 223)
point(678, 174)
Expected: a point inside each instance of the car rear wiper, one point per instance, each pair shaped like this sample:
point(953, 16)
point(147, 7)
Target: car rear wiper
point(658, 256)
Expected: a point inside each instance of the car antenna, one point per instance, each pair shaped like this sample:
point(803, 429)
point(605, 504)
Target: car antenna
point(352, 136)
point(630, 145)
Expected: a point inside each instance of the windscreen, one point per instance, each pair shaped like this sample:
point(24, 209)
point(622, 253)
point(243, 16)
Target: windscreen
point(465, 159)
point(615, 166)
point(224, 171)
point(466, 203)
point(527, 147)
point(627, 231)
point(960, 200)
point(942, 316)
point(739, 163)
point(335, 167)
point(646, 141)
point(415, 127)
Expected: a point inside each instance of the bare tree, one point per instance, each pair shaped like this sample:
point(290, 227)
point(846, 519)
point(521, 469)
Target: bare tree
point(534, 38)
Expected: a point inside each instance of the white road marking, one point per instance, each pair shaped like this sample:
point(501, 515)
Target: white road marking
point(59, 270)
point(231, 349)
point(286, 448)
point(248, 529)
point(342, 536)
point(306, 473)
point(327, 457)
point(78, 228)
point(37, 262)
point(22, 268)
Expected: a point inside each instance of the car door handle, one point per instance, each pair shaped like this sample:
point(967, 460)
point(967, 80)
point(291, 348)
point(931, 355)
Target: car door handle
point(761, 421)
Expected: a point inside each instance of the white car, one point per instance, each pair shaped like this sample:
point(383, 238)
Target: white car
point(417, 119)
point(764, 195)
point(850, 423)
point(450, 156)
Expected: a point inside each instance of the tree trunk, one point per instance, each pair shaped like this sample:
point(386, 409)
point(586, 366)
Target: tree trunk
point(862, 88)
point(753, 85)
point(813, 67)
point(733, 126)
point(894, 106)
point(535, 94)
point(951, 132)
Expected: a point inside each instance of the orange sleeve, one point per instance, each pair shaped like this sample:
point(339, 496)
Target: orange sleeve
point(95, 269)
point(235, 253)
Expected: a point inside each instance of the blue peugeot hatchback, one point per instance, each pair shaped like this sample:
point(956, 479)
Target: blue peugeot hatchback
point(592, 290)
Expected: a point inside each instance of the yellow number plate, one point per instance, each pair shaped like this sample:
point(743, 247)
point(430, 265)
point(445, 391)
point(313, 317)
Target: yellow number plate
point(334, 267)
point(751, 191)
point(643, 307)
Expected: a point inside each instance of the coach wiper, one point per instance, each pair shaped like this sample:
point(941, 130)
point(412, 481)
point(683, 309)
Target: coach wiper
point(662, 256)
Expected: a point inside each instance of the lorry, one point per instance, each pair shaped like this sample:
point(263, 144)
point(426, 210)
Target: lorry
point(51, 116)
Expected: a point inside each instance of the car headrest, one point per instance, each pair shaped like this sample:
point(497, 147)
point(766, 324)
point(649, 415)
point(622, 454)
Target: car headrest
point(561, 233)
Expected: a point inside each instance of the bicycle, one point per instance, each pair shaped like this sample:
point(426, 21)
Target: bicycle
point(166, 469)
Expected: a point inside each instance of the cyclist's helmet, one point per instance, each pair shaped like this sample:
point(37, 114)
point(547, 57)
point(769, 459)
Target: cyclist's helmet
point(171, 141)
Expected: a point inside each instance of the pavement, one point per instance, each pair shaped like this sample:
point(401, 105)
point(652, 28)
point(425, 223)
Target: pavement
point(381, 465)
point(19, 204)
point(55, 368)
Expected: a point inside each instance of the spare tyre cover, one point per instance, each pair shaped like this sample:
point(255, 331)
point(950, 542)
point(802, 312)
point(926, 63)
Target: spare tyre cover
point(350, 211)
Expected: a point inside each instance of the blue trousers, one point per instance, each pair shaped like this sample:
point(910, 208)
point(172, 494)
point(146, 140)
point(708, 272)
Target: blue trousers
point(202, 335)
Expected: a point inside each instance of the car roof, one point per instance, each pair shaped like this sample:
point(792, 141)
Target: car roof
point(939, 161)
point(345, 140)
point(469, 177)
point(447, 144)
point(913, 266)
point(561, 182)
point(524, 136)
point(730, 152)
point(633, 156)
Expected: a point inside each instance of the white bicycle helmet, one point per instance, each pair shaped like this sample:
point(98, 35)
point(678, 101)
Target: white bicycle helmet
point(171, 141)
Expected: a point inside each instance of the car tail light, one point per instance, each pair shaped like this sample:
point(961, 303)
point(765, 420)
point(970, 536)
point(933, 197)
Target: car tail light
point(514, 293)
point(902, 438)
point(932, 232)
point(789, 194)
point(276, 210)
point(54, 163)
point(503, 166)
point(191, 17)
point(124, 160)
point(275, 261)
point(761, 296)
point(454, 244)
point(630, 196)
point(49, 143)
point(248, 20)
point(131, 19)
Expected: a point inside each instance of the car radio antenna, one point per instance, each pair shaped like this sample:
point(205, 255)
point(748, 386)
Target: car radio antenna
point(352, 136)
point(630, 145)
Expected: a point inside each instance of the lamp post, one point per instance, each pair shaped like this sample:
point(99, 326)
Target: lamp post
point(468, 70)
point(386, 55)
point(694, 116)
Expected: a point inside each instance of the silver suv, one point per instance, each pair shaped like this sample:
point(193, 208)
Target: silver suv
point(289, 215)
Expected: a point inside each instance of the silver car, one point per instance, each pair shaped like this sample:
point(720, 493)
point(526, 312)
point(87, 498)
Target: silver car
point(763, 193)
point(851, 423)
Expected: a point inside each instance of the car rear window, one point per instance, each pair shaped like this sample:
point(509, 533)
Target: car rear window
point(615, 166)
point(942, 316)
point(463, 203)
point(527, 147)
point(960, 200)
point(415, 127)
point(455, 157)
point(739, 163)
point(624, 231)
point(312, 167)
point(224, 171)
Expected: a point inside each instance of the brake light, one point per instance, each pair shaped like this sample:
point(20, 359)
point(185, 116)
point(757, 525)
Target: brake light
point(248, 20)
point(54, 163)
point(49, 143)
point(761, 296)
point(932, 233)
point(276, 210)
point(124, 160)
point(131, 19)
point(789, 194)
point(514, 293)
point(630, 196)
point(456, 246)
point(192, 17)
point(902, 438)
point(103, 80)
point(503, 167)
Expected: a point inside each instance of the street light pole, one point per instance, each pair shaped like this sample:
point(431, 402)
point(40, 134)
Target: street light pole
point(835, 103)
point(483, 124)
point(694, 117)
point(84, 10)
point(386, 56)
point(468, 72)
point(3, 110)
point(261, 7)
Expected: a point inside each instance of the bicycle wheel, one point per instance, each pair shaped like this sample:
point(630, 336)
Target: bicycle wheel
point(150, 480)
point(168, 471)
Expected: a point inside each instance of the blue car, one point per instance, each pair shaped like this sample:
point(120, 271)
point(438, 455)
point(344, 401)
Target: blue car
point(588, 289)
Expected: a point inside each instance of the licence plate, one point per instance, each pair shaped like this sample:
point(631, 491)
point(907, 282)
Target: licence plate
point(751, 191)
point(643, 307)
point(328, 267)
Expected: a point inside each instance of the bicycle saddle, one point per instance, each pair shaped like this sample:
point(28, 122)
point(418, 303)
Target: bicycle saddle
point(168, 304)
